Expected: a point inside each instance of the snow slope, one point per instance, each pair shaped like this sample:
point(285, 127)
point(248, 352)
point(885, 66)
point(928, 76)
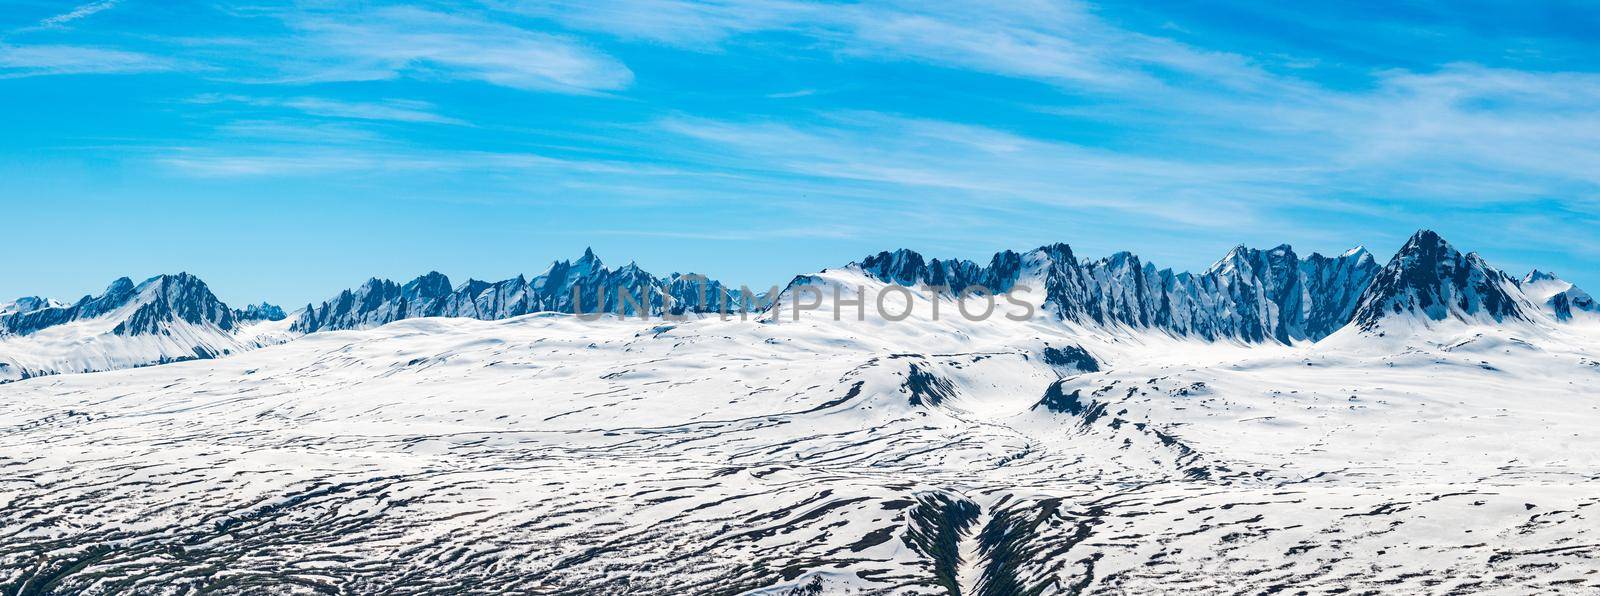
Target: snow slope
point(1559, 298)
point(545, 454)
point(1108, 429)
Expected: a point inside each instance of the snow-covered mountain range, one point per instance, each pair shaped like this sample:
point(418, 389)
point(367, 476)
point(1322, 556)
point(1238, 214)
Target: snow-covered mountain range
point(1446, 448)
point(582, 286)
point(1273, 424)
point(1249, 295)
point(167, 318)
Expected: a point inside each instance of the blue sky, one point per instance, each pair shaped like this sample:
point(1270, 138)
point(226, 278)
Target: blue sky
point(286, 151)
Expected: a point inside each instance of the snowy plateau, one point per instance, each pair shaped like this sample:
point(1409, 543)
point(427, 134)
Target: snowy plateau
point(1275, 424)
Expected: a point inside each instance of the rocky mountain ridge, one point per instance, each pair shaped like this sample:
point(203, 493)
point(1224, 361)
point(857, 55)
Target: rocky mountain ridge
point(1248, 296)
point(583, 286)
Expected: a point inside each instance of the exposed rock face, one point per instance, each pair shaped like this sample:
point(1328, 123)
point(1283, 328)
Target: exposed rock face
point(582, 286)
point(167, 318)
point(168, 298)
point(27, 304)
point(160, 299)
point(24, 323)
point(1250, 295)
point(1559, 298)
point(259, 312)
point(1430, 280)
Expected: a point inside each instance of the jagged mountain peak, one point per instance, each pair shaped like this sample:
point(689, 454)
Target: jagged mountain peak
point(1357, 254)
point(585, 286)
point(1357, 251)
point(26, 304)
point(260, 312)
point(165, 318)
point(1425, 238)
point(903, 266)
point(588, 263)
point(1429, 280)
point(1242, 259)
point(1119, 258)
point(432, 277)
point(429, 285)
point(1536, 276)
point(170, 282)
point(1239, 252)
point(160, 299)
point(375, 284)
point(120, 285)
point(1557, 297)
point(1058, 252)
point(168, 298)
point(1426, 247)
point(1251, 294)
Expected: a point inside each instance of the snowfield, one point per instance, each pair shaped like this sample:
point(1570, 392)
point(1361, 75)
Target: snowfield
point(545, 454)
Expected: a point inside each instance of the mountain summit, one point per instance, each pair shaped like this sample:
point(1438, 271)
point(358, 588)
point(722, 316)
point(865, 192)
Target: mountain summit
point(149, 306)
point(165, 318)
point(1558, 297)
point(1429, 280)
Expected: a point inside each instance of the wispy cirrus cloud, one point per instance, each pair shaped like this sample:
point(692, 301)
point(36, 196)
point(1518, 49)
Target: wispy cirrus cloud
point(394, 110)
point(1054, 118)
point(18, 61)
point(1230, 143)
point(296, 133)
point(697, 25)
point(1063, 43)
point(953, 166)
point(391, 110)
point(80, 12)
point(393, 42)
point(341, 42)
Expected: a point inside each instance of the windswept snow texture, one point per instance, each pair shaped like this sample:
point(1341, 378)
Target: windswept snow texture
point(1142, 433)
point(545, 454)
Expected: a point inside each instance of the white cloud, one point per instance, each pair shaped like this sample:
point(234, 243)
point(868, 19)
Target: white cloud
point(78, 13)
point(792, 94)
point(391, 110)
point(297, 133)
point(699, 25)
point(1205, 139)
point(1056, 44)
point(36, 60)
point(1062, 43)
point(957, 166)
point(387, 43)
